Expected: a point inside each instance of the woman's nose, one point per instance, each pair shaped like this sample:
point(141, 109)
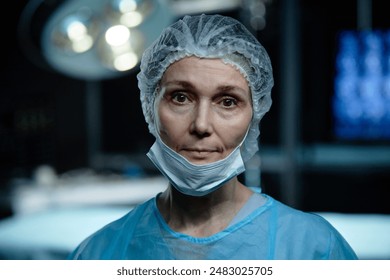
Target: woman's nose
point(202, 120)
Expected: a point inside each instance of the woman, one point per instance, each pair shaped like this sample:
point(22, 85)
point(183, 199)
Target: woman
point(205, 85)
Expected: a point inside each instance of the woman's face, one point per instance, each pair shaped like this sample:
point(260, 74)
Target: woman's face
point(205, 109)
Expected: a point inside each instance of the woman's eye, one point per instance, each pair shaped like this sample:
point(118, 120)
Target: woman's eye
point(179, 98)
point(229, 102)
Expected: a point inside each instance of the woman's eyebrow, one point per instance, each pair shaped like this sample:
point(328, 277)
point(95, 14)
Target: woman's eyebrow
point(183, 84)
point(230, 88)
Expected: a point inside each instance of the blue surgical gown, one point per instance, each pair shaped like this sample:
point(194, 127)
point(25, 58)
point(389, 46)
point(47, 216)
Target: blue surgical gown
point(271, 231)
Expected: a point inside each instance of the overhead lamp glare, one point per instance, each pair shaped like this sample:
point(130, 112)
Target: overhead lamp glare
point(121, 48)
point(125, 61)
point(76, 33)
point(126, 6)
point(130, 13)
point(117, 35)
point(132, 19)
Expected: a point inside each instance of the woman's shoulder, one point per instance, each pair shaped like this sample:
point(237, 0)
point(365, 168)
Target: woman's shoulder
point(95, 245)
point(300, 222)
point(286, 212)
point(313, 229)
point(130, 218)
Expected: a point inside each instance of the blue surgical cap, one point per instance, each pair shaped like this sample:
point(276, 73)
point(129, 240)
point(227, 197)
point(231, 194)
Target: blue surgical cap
point(209, 36)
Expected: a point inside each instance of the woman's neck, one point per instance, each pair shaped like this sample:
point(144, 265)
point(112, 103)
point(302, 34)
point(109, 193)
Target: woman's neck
point(206, 215)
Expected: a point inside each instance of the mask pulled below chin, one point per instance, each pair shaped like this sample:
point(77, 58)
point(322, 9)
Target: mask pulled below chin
point(193, 179)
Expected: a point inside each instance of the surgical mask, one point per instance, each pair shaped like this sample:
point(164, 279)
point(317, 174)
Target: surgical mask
point(194, 179)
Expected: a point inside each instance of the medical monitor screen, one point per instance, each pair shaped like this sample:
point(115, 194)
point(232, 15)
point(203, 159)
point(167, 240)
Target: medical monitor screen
point(361, 100)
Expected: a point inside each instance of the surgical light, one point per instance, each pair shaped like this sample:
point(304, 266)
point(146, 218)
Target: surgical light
point(96, 40)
